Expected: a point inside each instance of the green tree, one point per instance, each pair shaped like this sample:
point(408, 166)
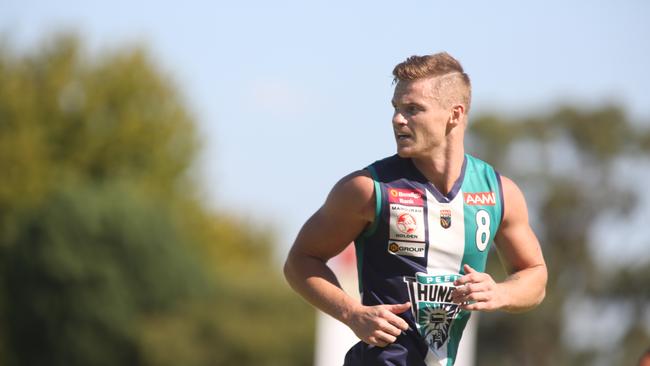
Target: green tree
point(565, 162)
point(83, 269)
point(107, 254)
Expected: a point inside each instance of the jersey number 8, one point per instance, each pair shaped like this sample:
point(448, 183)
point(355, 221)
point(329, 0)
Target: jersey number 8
point(482, 229)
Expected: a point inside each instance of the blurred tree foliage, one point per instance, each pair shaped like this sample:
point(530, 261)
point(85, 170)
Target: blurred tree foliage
point(565, 162)
point(107, 254)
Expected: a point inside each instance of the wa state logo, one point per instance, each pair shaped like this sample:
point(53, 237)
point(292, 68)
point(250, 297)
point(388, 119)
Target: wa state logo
point(445, 218)
point(432, 306)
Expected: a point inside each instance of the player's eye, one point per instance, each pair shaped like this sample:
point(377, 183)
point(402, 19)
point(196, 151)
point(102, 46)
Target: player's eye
point(411, 109)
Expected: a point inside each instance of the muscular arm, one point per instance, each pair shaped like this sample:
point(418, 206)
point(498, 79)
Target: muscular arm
point(520, 253)
point(349, 208)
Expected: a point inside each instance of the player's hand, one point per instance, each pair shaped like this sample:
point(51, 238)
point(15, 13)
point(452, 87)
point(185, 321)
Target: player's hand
point(379, 325)
point(478, 291)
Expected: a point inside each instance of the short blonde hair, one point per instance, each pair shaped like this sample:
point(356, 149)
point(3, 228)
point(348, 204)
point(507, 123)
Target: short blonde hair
point(452, 85)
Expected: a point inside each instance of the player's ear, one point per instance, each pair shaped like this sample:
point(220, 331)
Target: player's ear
point(457, 115)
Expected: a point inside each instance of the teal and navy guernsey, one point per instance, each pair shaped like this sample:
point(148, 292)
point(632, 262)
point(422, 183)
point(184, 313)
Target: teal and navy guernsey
point(416, 248)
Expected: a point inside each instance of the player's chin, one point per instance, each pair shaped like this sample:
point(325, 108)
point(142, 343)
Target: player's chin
point(405, 151)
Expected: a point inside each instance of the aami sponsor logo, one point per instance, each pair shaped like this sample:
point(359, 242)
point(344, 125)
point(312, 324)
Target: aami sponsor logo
point(410, 197)
point(480, 199)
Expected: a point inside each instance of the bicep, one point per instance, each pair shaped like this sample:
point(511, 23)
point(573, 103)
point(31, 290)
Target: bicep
point(516, 242)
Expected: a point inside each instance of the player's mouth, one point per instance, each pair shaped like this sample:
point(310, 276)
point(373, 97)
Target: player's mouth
point(403, 137)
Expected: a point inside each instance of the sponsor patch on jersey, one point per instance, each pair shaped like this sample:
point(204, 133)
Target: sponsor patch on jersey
point(445, 218)
point(432, 306)
point(480, 199)
point(406, 223)
point(406, 248)
point(409, 197)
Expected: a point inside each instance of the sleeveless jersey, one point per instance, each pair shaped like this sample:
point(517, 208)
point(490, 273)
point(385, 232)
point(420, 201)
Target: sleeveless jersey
point(416, 248)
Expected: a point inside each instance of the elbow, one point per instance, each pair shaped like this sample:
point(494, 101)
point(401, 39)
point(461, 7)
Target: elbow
point(541, 297)
point(542, 290)
point(291, 268)
point(287, 269)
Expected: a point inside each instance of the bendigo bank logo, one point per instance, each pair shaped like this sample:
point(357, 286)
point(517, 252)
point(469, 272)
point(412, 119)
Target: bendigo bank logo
point(406, 223)
point(408, 197)
point(480, 199)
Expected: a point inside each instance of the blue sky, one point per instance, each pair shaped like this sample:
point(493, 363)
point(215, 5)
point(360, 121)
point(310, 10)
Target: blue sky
point(292, 95)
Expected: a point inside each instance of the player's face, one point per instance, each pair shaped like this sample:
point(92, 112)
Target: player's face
point(419, 122)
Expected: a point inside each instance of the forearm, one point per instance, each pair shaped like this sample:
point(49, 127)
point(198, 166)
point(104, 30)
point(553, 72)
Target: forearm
point(315, 282)
point(524, 289)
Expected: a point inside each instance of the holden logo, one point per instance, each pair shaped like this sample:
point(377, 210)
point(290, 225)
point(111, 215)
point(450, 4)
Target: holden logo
point(406, 223)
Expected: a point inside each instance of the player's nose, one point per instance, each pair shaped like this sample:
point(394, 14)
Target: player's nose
point(398, 118)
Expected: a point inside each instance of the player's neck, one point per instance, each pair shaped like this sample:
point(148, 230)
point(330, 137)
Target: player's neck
point(442, 168)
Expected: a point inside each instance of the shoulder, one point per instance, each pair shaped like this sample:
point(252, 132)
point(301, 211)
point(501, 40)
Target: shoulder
point(355, 184)
point(510, 189)
point(341, 219)
point(478, 166)
point(514, 202)
point(390, 168)
point(352, 194)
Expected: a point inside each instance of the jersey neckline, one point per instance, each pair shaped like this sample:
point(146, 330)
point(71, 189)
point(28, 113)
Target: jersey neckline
point(440, 197)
